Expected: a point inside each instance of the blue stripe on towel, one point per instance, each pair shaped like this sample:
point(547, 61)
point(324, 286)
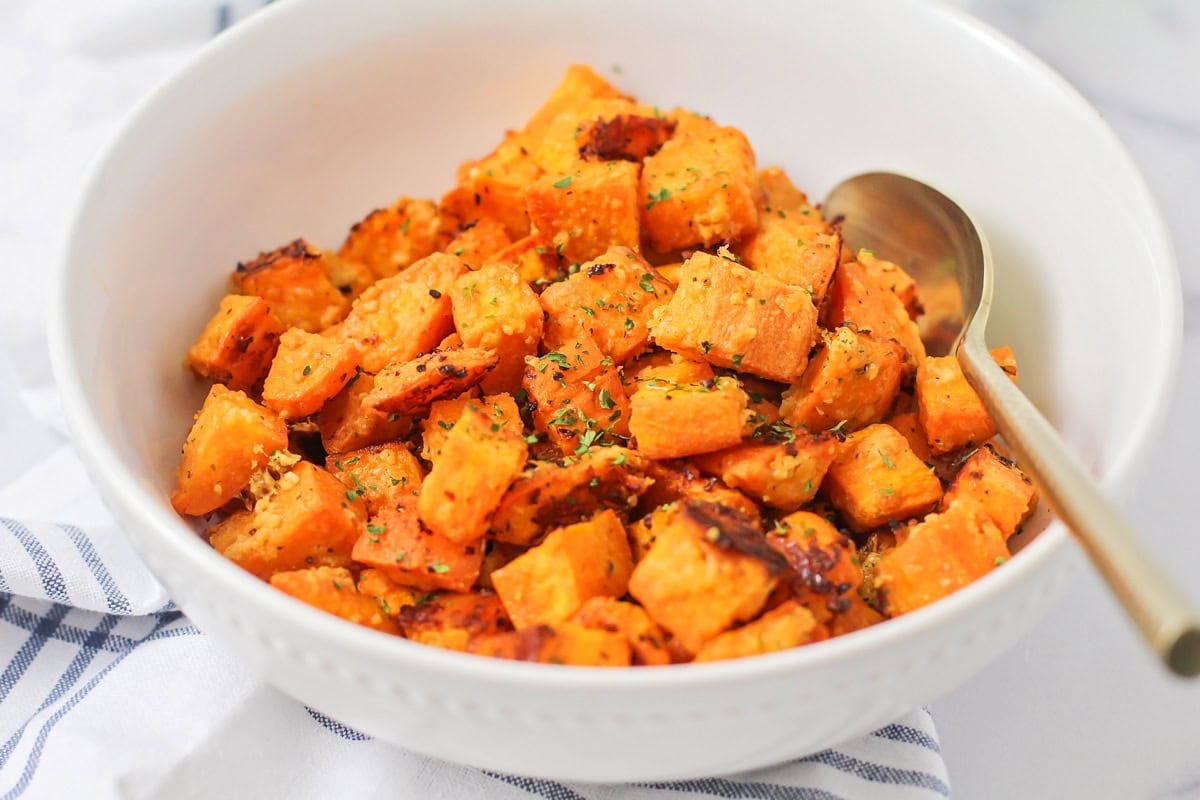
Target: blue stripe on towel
point(550, 790)
point(52, 580)
point(115, 598)
point(877, 773)
point(39, 634)
point(903, 733)
point(744, 790)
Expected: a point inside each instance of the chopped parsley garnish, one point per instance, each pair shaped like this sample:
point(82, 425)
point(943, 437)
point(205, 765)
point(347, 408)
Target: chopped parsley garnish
point(563, 183)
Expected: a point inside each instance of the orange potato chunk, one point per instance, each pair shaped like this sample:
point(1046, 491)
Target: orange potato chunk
point(579, 86)
point(782, 628)
point(410, 387)
point(332, 589)
point(623, 137)
point(587, 210)
point(389, 240)
point(384, 475)
point(390, 596)
point(576, 396)
point(533, 258)
point(454, 620)
point(952, 414)
point(876, 480)
point(495, 309)
point(683, 480)
point(565, 643)
point(665, 370)
point(646, 640)
point(779, 193)
point(784, 476)
point(857, 297)
point(494, 186)
point(887, 275)
point(678, 421)
point(347, 424)
point(794, 250)
point(309, 370)
point(395, 543)
point(478, 241)
point(294, 281)
point(1004, 492)
point(237, 344)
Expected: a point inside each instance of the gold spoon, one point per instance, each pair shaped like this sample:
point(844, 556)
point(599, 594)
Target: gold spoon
point(947, 255)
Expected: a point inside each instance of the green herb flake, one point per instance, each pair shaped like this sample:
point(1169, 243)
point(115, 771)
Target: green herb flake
point(606, 400)
point(628, 324)
point(307, 369)
point(657, 197)
point(439, 567)
point(737, 360)
point(887, 462)
point(563, 183)
point(647, 283)
point(375, 529)
point(444, 425)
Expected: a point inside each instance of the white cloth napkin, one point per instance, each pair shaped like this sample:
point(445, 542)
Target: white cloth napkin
point(106, 689)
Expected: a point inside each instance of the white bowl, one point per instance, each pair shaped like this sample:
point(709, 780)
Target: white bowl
point(300, 120)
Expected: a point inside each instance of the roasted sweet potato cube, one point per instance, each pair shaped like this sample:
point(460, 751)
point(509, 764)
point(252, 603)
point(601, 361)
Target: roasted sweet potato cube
point(888, 275)
point(559, 493)
point(309, 521)
point(943, 553)
point(646, 639)
point(699, 188)
point(857, 297)
point(560, 148)
point(1006, 359)
point(232, 438)
point(624, 137)
point(309, 369)
point(784, 475)
point(565, 643)
point(909, 426)
point(765, 397)
point(391, 239)
point(876, 480)
point(474, 467)
point(390, 595)
point(494, 186)
point(782, 628)
point(734, 317)
point(478, 241)
point(587, 210)
point(383, 475)
point(952, 414)
point(294, 281)
point(576, 396)
point(579, 86)
point(611, 298)
point(452, 620)
point(533, 258)
point(707, 570)
point(793, 249)
point(683, 480)
point(1005, 493)
point(665, 370)
point(551, 581)
point(778, 193)
point(346, 424)
point(410, 387)
point(396, 543)
point(496, 555)
point(332, 589)
point(444, 413)
point(494, 308)
point(642, 532)
point(400, 317)
point(683, 420)
point(237, 344)
point(851, 381)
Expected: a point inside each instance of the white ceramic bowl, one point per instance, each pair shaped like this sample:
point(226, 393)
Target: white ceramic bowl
point(308, 115)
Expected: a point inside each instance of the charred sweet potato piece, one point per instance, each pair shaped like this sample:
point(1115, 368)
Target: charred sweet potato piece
point(952, 414)
point(707, 570)
point(534, 259)
point(683, 480)
point(1006, 495)
point(395, 543)
point(309, 369)
point(665, 370)
point(778, 193)
point(856, 297)
point(475, 465)
point(559, 148)
point(624, 137)
point(384, 475)
point(391, 239)
point(493, 186)
point(444, 413)
point(548, 583)
point(294, 281)
point(332, 589)
point(851, 381)
point(784, 476)
point(733, 317)
point(390, 595)
point(678, 421)
point(565, 643)
point(876, 479)
point(587, 210)
point(495, 309)
point(410, 387)
point(346, 424)
point(794, 250)
point(576, 396)
point(309, 521)
point(231, 438)
point(478, 241)
point(400, 317)
point(237, 344)
point(646, 640)
point(453, 620)
point(782, 628)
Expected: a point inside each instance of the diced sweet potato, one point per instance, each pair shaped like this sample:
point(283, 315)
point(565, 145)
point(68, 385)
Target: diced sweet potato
point(383, 475)
point(666, 370)
point(952, 414)
point(707, 570)
point(876, 480)
point(691, 418)
point(309, 369)
point(453, 620)
point(396, 543)
point(496, 555)
point(783, 476)
point(643, 532)
point(856, 297)
point(559, 148)
point(533, 258)
point(909, 426)
point(231, 439)
point(478, 241)
point(779, 193)
point(475, 465)
point(332, 589)
point(237, 344)
point(734, 317)
point(587, 210)
point(1006, 495)
point(391, 239)
point(493, 186)
point(851, 381)
point(782, 628)
point(942, 553)
point(646, 639)
point(887, 275)
point(576, 396)
point(611, 298)
point(295, 283)
point(565, 643)
point(624, 137)
point(579, 85)
point(444, 413)
point(699, 188)
point(309, 521)
point(346, 424)
point(682, 480)
point(410, 387)
point(559, 493)
point(400, 317)
point(1007, 361)
point(494, 308)
point(764, 397)
point(793, 249)
point(390, 595)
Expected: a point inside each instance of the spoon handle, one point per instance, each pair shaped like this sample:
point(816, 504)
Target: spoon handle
point(1151, 598)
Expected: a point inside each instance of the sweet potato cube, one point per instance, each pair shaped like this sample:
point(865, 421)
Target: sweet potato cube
point(678, 421)
point(943, 553)
point(876, 480)
point(782, 628)
point(309, 369)
point(699, 188)
point(410, 387)
point(794, 250)
point(475, 465)
point(346, 424)
point(890, 276)
point(823, 572)
point(737, 318)
point(332, 589)
point(444, 413)
point(643, 532)
point(579, 85)
point(383, 475)
point(453, 620)
point(611, 298)
point(400, 317)
point(494, 186)
point(909, 426)
point(533, 258)
point(495, 309)
point(784, 476)
point(646, 639)
point(295, 283)
point(232, 438)
point(856, 297)
point(478, 241)
point(390, 595)
point(550, 582)
point(560, 148)
point(587, 210)
point(683, 480)
point(565, 643)
point(237, 344)
point(780, 194)
point(576, 395)
point(1004, 357)
point(391, 239)
point(309, 521)
point(952, 414)
point(1005, 493)
point(665, 370)
point(852, 381)
point(624, 137)
point(396, 543)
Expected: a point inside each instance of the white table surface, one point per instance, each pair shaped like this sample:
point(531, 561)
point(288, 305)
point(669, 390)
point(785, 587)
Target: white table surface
point(1077, 709)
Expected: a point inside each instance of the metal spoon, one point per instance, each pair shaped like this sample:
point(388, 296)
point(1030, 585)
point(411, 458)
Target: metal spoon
point(916, 226)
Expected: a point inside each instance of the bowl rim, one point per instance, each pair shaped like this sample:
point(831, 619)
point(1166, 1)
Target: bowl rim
point(109, 472)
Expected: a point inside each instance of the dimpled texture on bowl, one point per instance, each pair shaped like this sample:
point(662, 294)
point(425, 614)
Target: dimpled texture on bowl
point(308, 115)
